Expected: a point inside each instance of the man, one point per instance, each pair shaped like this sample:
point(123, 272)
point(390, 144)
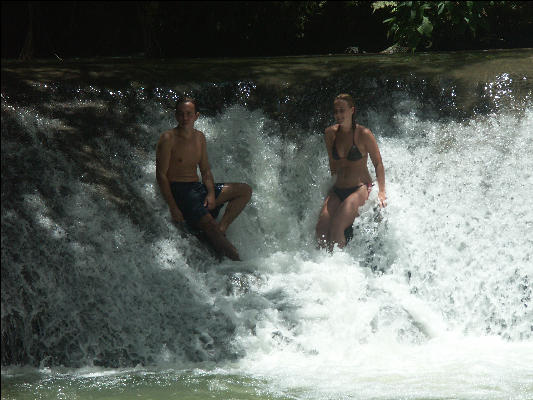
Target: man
point(179, 152)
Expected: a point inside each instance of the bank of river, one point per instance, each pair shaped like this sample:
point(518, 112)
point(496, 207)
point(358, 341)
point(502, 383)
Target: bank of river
point(478, 66)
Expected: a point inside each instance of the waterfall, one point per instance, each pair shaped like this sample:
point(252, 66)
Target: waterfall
point(94, 273)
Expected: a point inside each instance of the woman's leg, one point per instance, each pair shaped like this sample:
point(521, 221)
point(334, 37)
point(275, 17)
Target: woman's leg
point(345, 214)
point(237, 195)
point(324, 220)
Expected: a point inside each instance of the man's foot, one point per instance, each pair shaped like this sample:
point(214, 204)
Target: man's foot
point(218, 240)
point(232, 253)
point(223, 246)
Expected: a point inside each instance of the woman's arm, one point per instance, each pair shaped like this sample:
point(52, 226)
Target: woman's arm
point(375, 156)
point(329, 138)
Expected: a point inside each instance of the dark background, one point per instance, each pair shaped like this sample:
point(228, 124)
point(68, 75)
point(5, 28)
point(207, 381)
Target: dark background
point(51, 29)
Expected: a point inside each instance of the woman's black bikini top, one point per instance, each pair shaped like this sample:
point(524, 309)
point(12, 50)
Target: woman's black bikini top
point(353, 155)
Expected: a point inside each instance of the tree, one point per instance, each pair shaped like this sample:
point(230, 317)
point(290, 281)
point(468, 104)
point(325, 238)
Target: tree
point(417, 24)
point(28, 49)
point(148, 12)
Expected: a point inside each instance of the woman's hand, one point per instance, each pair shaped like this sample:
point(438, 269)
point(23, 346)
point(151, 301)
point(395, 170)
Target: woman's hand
point(382, 197)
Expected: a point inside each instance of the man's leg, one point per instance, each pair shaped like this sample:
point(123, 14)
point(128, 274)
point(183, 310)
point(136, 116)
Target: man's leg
point(217, 238)
point(237, 195)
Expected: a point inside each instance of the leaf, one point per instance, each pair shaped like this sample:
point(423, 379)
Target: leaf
point(426, 27)
point(377, 5)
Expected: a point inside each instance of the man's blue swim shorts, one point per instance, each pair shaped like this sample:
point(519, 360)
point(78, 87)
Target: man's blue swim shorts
point(190, 198)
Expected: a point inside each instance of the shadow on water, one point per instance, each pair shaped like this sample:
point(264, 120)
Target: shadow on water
point(290, 88)
point(117, 73)
point(299, 90)
point(81, 281)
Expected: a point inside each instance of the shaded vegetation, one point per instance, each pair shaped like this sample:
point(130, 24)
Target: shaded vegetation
point(49, 29)
point(459, 25)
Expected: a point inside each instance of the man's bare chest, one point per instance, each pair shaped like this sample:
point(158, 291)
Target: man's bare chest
point(186, 152)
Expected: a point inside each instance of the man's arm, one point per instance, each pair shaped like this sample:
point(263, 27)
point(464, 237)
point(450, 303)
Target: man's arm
point(207, 176)
point(164, 147)
point(375, 156)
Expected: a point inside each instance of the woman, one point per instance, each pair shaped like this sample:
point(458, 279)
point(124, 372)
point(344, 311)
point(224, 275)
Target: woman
point(349, 145)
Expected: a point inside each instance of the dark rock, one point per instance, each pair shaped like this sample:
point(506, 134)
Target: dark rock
point(395, 49)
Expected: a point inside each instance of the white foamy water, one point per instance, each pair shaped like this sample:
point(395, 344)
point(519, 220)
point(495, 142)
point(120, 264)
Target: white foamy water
point(431, 299)
point(450, 317)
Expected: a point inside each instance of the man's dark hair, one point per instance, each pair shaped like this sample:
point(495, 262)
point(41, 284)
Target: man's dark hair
point(186, 99)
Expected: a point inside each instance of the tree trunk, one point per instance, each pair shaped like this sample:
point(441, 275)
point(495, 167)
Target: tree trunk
point(28, 49)
point(148, 11)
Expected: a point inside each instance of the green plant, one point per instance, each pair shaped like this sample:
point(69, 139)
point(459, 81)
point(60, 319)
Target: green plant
point(415, 23)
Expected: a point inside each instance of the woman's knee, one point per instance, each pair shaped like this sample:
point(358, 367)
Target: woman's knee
point(337, 228)
point(336, 236)
point(321, 231)
point(322, 227)
point(321, 235)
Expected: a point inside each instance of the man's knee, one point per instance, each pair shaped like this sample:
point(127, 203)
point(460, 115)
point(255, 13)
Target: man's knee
point(246, 191)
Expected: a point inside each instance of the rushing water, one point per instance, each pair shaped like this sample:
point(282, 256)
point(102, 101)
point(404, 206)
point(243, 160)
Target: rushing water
point(103, 297)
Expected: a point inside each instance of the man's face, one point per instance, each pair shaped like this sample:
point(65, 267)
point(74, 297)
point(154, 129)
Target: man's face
point(186, 114)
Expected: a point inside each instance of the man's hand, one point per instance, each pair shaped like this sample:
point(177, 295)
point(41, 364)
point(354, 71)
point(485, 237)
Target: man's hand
point(210, 201)
point(382, 197)
point(177, 216)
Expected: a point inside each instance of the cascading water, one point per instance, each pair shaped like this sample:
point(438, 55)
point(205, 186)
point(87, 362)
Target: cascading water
point(432, 298)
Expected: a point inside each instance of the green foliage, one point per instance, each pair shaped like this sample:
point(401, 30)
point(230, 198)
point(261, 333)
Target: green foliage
point(414, 23)
point(301, 12)
point(253, 28)
point(378, 5)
